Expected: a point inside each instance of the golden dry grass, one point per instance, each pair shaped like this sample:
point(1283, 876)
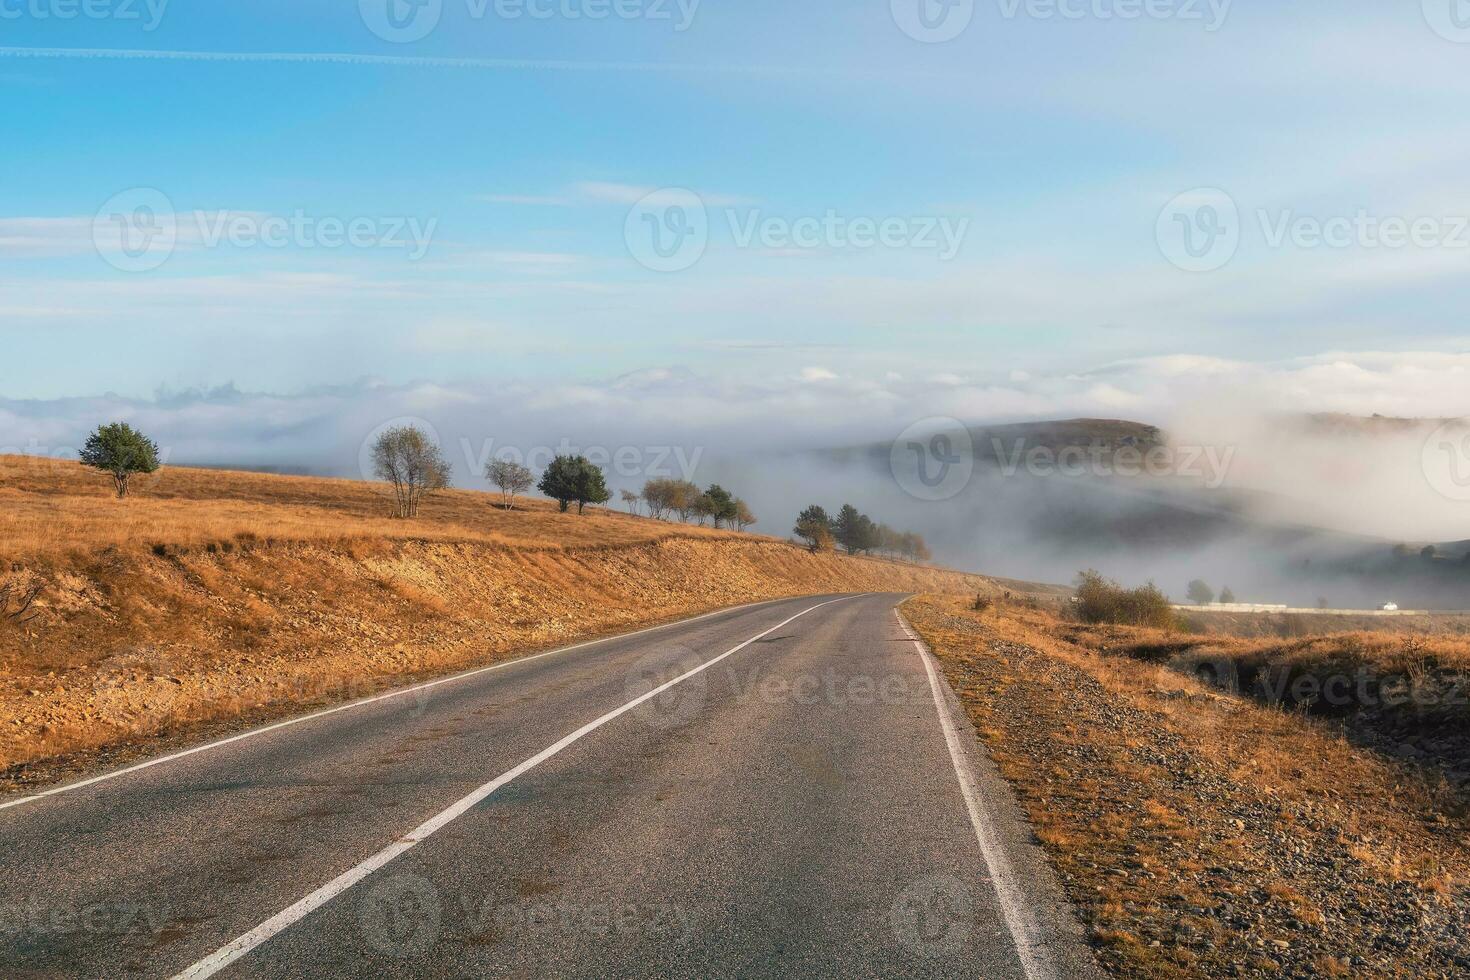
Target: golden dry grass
point(1174, 813)
point(49, 508)
point(1384, 650)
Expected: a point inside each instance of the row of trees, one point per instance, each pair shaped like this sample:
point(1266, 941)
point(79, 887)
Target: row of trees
point(857, 533)
point(1201, 594)
point(568, 480)
point(666, 498)
point(414, 466)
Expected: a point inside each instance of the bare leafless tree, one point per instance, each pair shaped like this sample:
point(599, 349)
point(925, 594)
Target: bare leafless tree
point(413, 464)
point(511, 477)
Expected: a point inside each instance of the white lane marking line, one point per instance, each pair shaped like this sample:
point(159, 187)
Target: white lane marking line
point(363, 703)
point(282, 920)
point(1026, 934)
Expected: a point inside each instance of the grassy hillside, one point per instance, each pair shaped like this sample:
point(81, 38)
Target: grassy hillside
point(216, 595)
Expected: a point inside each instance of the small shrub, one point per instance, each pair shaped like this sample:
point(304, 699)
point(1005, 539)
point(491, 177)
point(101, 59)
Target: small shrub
point(982, 603)
point(1100, 600)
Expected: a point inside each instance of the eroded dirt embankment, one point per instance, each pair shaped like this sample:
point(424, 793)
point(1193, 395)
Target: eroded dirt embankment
point(129, 646)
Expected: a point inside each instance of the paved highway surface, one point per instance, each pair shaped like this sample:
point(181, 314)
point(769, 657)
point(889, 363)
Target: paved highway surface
point(779, 789)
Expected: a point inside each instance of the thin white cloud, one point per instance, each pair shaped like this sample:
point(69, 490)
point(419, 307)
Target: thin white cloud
point(529, 200)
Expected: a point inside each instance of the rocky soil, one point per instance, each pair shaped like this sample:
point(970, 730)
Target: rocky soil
point(1203, 835)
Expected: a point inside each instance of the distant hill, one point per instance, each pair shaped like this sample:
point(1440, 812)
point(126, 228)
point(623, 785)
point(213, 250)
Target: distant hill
point(995, 442)
point(1015, 520)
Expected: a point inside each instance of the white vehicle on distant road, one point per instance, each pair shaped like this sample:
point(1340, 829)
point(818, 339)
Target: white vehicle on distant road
point(1389, 607)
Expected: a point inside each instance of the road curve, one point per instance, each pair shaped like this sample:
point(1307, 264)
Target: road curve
point(779, 789)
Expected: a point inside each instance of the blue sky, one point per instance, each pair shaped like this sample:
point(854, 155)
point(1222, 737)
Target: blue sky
point(1048, 145)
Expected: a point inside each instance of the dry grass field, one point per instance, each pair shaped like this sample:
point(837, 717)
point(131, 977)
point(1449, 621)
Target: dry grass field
point(216, 598)
point(1203, 833)
point(50, 508)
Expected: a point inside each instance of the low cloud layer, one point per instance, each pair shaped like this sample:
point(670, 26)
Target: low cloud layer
point(747, 431)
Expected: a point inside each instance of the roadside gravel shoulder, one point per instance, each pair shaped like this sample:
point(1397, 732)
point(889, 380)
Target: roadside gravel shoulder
point(1201, 835)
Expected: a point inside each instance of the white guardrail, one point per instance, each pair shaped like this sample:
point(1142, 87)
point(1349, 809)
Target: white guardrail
point(1256, 607)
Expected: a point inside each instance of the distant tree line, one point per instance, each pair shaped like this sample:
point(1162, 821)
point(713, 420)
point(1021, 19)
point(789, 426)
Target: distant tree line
point(666, 499)
point(413, 465)
point(857, 534)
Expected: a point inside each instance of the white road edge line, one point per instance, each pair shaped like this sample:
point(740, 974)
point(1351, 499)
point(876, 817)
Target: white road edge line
point(284, 919)
point(363, 702)
point(1025, 932)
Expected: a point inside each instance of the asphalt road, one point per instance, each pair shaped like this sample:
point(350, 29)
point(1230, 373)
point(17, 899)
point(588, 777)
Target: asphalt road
point(771, 790)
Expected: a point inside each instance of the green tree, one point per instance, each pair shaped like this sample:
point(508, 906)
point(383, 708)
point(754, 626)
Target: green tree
point(811, 524)
point(1199, 593)
point(1226, 595)
point(721, 503)
point(591, 488)
point(855, 531)
point(121, 450)
point(573, 479)
point(845, 527)
point(413, 463)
